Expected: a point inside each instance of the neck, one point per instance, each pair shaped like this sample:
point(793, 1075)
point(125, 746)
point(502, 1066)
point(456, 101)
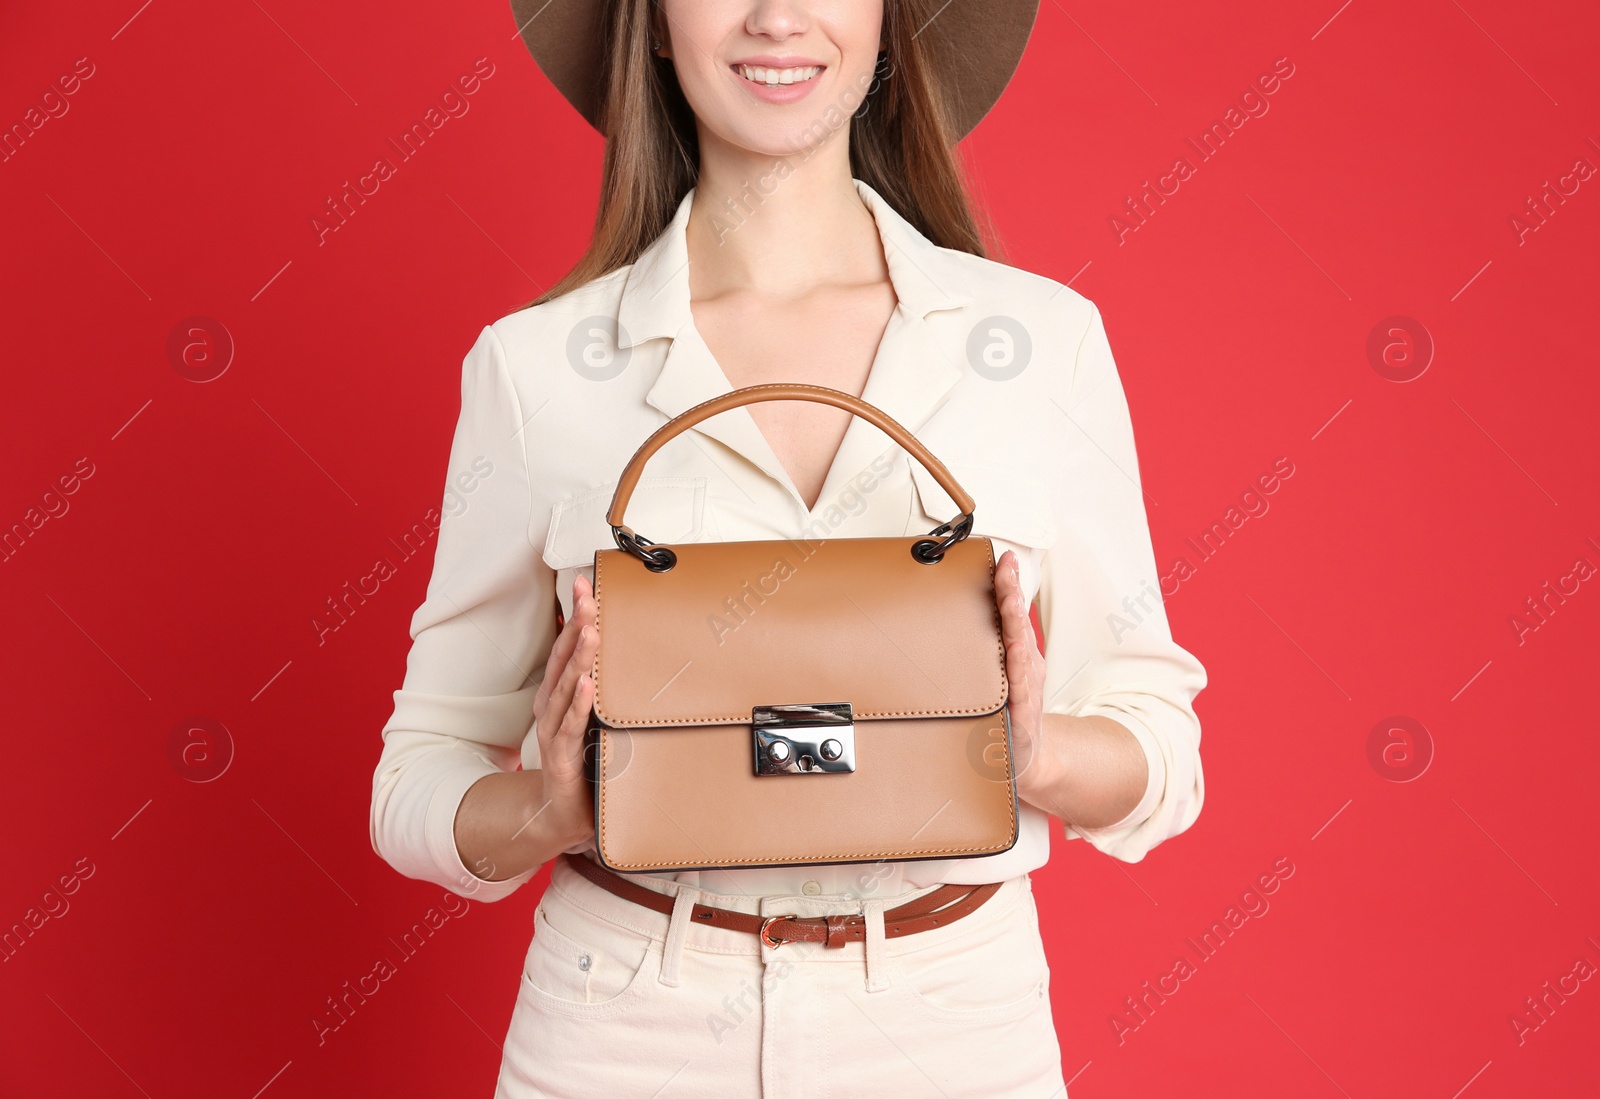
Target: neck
point(779, 226)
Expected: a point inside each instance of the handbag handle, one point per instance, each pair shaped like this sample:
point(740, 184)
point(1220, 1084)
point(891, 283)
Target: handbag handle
point(660, 558)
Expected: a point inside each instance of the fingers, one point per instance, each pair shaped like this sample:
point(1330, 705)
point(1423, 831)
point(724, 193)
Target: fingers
point(1008, 591)
point(583, 613)
point(576, 720)
point(1018, 638)
point(1022, 660)
point(562, 699)
point(1016, 627)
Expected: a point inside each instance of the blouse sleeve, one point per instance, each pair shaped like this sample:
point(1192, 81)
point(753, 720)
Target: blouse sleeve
point(1108, 647)
point(479, 643)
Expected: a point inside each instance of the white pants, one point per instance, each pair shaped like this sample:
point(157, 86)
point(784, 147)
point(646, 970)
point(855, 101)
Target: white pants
point(620, 1001)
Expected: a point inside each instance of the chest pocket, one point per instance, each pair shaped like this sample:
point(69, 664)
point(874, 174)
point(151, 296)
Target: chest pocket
point(663, 509)
point(1012, 508)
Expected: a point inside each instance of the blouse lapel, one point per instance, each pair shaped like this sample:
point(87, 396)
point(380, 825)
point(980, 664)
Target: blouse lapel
point(914, 371)
point(910, 378)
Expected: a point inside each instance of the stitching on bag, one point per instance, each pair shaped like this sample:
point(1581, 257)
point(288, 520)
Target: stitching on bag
point(1010, 807)
point(852, 855)
point(595, 670)
point(627, 723)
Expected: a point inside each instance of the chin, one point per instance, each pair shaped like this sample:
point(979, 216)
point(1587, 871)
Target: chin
point(794, 139)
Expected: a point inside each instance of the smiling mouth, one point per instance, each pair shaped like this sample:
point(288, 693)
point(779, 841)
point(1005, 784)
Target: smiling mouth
point(777, 78)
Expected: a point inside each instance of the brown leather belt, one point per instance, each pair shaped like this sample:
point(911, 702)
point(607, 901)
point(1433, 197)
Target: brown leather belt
point(942, 906)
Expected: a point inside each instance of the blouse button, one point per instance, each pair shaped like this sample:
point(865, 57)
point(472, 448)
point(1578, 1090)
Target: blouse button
point(811, 888)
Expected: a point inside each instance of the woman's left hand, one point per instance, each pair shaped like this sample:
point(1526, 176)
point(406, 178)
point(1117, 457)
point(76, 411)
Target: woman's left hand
point(1025, 677)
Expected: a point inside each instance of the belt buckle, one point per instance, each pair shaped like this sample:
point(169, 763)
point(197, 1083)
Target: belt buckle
point(766, 935)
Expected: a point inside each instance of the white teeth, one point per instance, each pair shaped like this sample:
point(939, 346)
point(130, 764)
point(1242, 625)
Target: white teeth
point(773, 78)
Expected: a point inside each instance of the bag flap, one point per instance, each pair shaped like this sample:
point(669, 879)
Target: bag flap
point(735, 625)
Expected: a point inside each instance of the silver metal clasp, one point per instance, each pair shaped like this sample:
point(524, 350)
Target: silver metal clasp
point(804, 738)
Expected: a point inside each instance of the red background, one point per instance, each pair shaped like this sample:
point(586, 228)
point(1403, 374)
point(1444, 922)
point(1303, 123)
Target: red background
point(1383, 581)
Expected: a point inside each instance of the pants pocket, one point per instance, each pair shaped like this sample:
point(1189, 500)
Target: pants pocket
point(997, 972)
point(584, 967)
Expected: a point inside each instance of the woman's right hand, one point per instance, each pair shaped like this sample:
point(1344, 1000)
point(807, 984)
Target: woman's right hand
point(561, 710)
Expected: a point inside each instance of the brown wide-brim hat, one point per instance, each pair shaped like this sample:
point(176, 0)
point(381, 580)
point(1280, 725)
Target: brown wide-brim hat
point(974, 44)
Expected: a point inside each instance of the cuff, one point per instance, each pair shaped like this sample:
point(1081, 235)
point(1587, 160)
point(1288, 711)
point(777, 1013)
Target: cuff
point(440, 832)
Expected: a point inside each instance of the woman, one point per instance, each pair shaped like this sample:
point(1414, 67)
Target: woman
point(781, 202)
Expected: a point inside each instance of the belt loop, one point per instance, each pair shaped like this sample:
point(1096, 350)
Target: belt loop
point(872, 910)
point(683, 903)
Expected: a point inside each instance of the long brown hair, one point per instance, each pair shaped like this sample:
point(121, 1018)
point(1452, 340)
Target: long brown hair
point(901, 147)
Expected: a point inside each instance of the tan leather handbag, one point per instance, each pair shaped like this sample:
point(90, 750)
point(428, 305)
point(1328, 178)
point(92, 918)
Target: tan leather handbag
point(796, 703)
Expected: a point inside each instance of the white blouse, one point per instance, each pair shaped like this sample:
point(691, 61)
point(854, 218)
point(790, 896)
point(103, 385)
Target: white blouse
point(1005, 375)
